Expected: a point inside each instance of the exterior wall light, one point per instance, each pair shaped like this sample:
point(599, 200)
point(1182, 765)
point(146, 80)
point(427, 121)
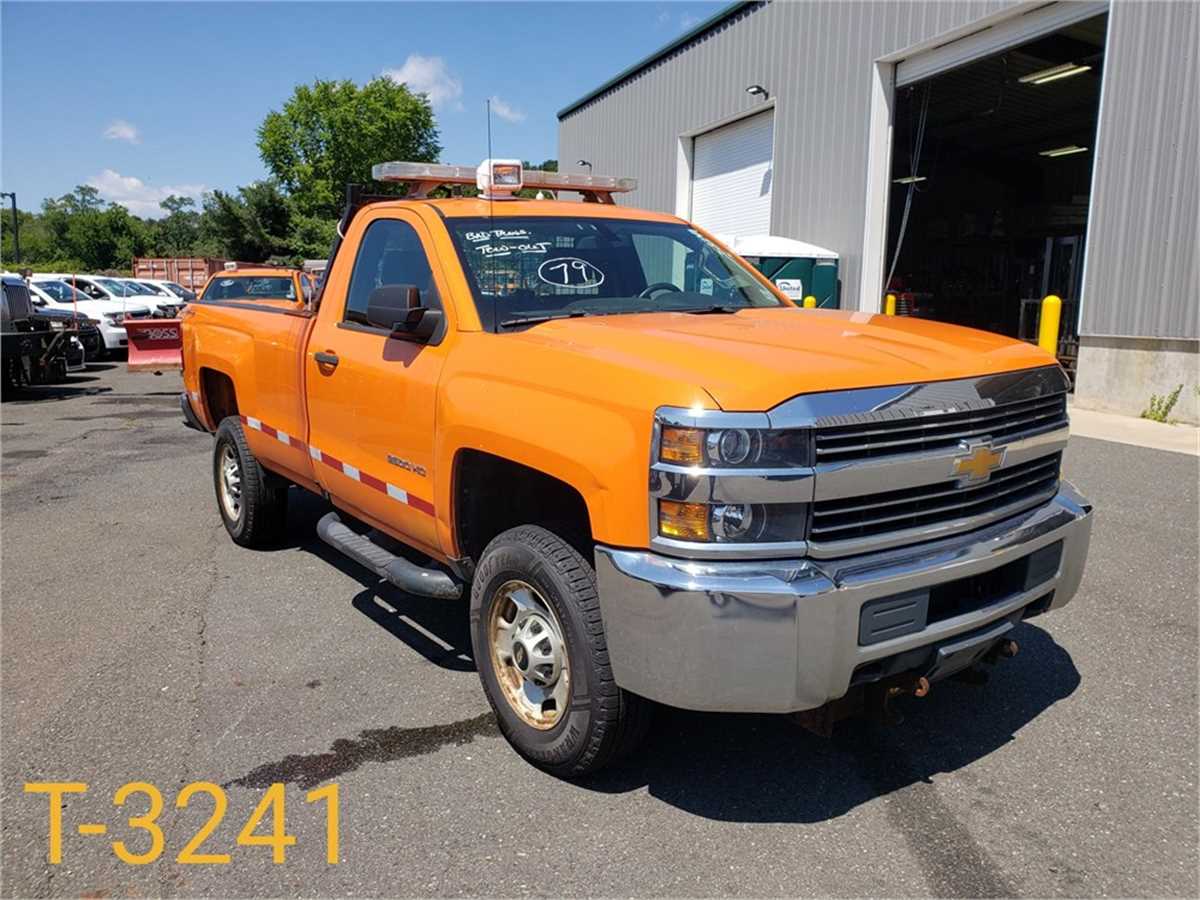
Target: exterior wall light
point(757, 90)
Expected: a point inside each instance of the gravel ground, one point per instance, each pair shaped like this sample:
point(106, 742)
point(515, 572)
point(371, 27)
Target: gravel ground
point(140, 644)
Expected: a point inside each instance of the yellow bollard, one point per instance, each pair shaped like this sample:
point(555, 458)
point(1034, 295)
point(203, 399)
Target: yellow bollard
point(1048, 324)
point(889, 308)
point(810, 302)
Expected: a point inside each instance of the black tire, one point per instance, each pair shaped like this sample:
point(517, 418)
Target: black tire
point(602, 722)
point(262, 511)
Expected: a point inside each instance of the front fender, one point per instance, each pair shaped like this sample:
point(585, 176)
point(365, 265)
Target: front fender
point(601, 450)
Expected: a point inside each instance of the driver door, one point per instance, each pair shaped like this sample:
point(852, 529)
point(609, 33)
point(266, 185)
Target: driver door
point(372, 396)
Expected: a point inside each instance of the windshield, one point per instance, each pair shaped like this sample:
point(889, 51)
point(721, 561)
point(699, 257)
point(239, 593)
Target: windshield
point(61, 291)
point(179, 290)
point(524, 270)
point(113, 286)
point(250, 287)
point(138, 288)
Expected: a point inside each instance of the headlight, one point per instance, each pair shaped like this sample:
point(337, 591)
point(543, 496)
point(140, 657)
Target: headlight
point(729, 479)
point(115, 318)
point(732, 523)
point(735, 447)
point(57, 324)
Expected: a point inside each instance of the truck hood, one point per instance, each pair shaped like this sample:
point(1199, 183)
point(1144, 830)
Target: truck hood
point(757, 358)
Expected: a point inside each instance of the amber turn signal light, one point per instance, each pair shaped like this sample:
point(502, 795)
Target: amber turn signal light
point(685, 521)
point(684, 446)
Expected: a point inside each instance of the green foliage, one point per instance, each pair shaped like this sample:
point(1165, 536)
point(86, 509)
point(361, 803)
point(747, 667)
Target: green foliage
point(251, 225)
point(1160, 408)
point(178, 232)
point(333, 132)
point(311, 236)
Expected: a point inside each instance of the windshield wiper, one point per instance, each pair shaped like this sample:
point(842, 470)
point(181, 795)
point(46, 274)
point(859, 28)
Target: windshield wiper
point(534, 320)
point(709, 310)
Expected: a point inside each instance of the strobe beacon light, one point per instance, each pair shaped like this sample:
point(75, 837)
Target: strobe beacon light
point(499, 179)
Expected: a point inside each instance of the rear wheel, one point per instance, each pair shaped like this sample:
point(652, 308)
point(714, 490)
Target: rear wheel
point(540, 648)
point(252, 503)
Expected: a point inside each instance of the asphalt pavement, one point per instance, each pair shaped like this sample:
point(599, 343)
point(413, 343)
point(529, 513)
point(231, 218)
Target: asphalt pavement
point(139, 644)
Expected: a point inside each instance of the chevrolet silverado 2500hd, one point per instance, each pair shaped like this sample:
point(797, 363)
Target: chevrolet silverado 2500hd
point(660, 479)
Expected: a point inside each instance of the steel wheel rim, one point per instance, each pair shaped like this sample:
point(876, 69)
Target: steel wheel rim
point(529, 655)
point(231, 483)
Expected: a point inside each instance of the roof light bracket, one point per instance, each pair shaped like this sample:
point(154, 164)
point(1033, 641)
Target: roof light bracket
point(500, 179)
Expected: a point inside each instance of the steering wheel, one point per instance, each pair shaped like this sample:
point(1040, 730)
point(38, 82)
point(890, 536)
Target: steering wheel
point(648, 291)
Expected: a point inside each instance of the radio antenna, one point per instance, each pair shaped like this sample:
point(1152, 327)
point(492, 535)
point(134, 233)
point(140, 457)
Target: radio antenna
point(491, 215)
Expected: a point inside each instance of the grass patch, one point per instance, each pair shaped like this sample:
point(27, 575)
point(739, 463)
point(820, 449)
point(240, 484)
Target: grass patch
point(1160, 408)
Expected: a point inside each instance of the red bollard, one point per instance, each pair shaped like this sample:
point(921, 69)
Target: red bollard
point(155, 345)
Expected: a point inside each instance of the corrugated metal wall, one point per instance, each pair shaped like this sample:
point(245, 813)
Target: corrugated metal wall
point(1143, 251)
point(816, 58)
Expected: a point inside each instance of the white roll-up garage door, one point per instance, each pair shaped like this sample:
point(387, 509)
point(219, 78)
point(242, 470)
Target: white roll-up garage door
point(731, 177)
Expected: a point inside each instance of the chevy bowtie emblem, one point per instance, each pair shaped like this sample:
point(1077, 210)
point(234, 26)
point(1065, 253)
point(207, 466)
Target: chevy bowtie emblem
point(979, 461)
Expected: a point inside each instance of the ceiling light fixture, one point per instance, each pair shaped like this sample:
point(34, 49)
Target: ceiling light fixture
point(1062, 151)
point(908, 179)
point(1066, 70)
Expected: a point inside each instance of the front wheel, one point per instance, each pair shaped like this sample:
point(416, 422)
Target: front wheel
point(542, 657)
point(252, 506)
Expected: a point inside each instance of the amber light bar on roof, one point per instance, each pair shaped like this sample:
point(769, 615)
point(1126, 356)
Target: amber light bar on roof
point(427, 176)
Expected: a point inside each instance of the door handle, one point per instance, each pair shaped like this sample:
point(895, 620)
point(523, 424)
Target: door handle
point(329, 360)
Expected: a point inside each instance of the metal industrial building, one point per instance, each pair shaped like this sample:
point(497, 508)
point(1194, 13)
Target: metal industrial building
point(809, 120)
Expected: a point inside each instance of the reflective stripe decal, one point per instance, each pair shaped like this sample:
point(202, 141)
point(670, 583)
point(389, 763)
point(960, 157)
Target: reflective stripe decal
point(396, 493)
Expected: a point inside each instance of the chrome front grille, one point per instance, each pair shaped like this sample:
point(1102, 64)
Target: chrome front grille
point(1007, 492)
point(880, 437)
point(892, 466)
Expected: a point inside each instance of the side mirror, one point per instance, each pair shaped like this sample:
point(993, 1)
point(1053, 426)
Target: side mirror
point(397, 308)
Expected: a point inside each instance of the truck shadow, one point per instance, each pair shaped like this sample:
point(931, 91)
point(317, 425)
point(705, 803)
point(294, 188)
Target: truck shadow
point(73, 386)
point(436, 629)
point(762, 768)
point(757, 768)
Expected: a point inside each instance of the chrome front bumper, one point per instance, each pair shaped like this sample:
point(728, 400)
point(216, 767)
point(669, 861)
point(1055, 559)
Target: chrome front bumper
point(783, 635)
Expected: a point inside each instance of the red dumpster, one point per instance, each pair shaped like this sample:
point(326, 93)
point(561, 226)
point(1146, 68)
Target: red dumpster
point(155, 345)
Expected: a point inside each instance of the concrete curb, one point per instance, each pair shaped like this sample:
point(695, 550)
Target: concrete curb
point(1105, 426)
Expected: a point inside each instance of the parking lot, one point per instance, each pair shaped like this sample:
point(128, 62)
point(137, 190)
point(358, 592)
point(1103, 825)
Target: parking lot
point(140, 644)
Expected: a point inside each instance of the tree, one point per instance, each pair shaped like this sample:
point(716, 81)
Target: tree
point(333, 132)
point(176, 234)
point(251, 225)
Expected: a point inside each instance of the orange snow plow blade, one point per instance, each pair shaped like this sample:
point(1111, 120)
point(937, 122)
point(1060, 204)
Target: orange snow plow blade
point(155, 345)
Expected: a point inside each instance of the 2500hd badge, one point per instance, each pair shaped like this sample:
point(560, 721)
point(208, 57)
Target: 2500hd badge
point(654, 476)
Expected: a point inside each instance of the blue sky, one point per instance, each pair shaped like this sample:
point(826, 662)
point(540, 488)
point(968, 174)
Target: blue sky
point(142, 99)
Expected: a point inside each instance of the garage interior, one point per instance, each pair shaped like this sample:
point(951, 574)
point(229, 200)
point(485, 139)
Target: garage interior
point(991, 173)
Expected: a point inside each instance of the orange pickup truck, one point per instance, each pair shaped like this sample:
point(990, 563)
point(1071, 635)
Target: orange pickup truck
point(655, 477)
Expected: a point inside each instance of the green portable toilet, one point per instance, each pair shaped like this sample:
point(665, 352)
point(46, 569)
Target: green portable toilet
point(797, 268)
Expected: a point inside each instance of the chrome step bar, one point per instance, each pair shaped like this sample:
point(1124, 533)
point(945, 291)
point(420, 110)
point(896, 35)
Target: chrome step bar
point(396, 570)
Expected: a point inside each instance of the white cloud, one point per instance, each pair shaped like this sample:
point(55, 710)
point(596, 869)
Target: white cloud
point(663, 17)
point(135, 195)
point(687, 20)
point(506, 111)
point(120, 130)
point(430, 76)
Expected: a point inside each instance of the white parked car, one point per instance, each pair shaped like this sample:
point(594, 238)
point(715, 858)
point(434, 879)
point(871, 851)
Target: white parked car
point(110, 313)
point(105, 287)
point(168, 288)
point(153, 294)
